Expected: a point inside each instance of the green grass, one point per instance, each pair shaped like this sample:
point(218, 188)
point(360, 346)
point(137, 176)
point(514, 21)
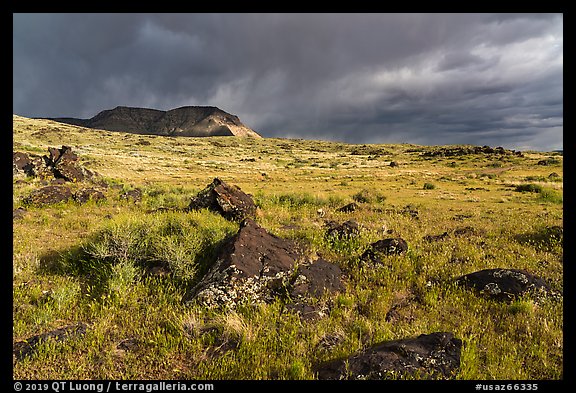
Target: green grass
point(94, 263)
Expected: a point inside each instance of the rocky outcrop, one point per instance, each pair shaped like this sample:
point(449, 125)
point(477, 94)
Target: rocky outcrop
point(462, 151)
point(429, 356)
point(195, 121)
point(230, 201)
point(250, 267)
point(255, 266)
point(60, 163)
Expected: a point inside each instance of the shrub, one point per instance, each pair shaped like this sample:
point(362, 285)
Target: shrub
point(530, 187)
point(368, 196)
point(429, 186)
point(183, 242)
point(549, 195)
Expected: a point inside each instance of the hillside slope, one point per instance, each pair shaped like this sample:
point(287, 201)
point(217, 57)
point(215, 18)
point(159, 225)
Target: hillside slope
point(113, 272)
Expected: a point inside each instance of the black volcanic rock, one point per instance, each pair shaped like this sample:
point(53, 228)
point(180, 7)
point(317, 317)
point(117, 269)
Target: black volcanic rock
point(185, 121)
point(428, 356)
point(228, 200)
point(250, 266)
point(507, 284)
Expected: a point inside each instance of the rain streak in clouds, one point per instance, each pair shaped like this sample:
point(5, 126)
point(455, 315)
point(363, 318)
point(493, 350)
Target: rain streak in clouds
point(484, 79)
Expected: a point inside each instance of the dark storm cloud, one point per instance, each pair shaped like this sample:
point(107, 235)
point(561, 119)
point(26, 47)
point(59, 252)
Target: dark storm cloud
point(491, 79)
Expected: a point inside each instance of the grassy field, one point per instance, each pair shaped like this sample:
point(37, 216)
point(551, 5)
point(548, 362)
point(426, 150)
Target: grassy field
point(139, 328)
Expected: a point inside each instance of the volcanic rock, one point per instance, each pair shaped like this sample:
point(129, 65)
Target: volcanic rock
point(134, 195)
point(230, 201)
point(85, 194)
point(349, 208)
point(384, 247)
point(22, 164)
point(48, 195)
point(58, 164)
point(312, 282)
point(19, 213)
point(21, 349)
point(435, 238)
point(345, 230)
point(429, 356)
point(506, 284)
point(250, 267)
point(316, 279)
point(63, 161)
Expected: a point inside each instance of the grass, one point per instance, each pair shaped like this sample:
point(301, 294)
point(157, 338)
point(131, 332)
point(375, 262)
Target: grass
point(94, 263)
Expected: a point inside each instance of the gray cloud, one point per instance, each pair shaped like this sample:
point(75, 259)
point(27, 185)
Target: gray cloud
point(491, 79)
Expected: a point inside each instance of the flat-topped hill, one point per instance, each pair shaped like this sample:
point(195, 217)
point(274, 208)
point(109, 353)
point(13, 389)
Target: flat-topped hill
point(197, 121)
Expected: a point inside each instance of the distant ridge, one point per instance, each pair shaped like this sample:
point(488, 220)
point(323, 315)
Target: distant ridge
point(195, 121)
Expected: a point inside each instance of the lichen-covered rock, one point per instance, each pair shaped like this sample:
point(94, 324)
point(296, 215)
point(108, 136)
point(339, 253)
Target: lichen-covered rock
point(48, 195)
point(429, 356)
point(435, 238)
point(311, 283)
point(251, 267)
point(60, 163)
point(349, 208)
point(21, 163)
point(27, 347)
point(19, 213)
point(316, 279)
point(86, 194)
point(469, 231)
point(506, 284)
point(134, 195)
point(230, 201)
point(384, 247)
point(64, 163)
point(346, 230)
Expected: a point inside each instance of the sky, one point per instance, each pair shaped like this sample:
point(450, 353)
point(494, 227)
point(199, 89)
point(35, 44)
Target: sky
point(427, 79)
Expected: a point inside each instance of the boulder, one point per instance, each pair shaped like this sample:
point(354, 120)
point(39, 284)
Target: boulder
point(384, 247)
point(60, 163)
point(469, 231)
point(311, 283)
point(21, 163)
point(316, 279)
point(251, 266)
point(64, 164)
point(22, 349)
point(346, 230)
point(349, 208)
point(506, 284)
point(429, 356)
point(19, 213)
point(86, 194)
point(134, 195)
point(48, 195)
point(410, 211)
point(230, 201)
point(435, 238)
